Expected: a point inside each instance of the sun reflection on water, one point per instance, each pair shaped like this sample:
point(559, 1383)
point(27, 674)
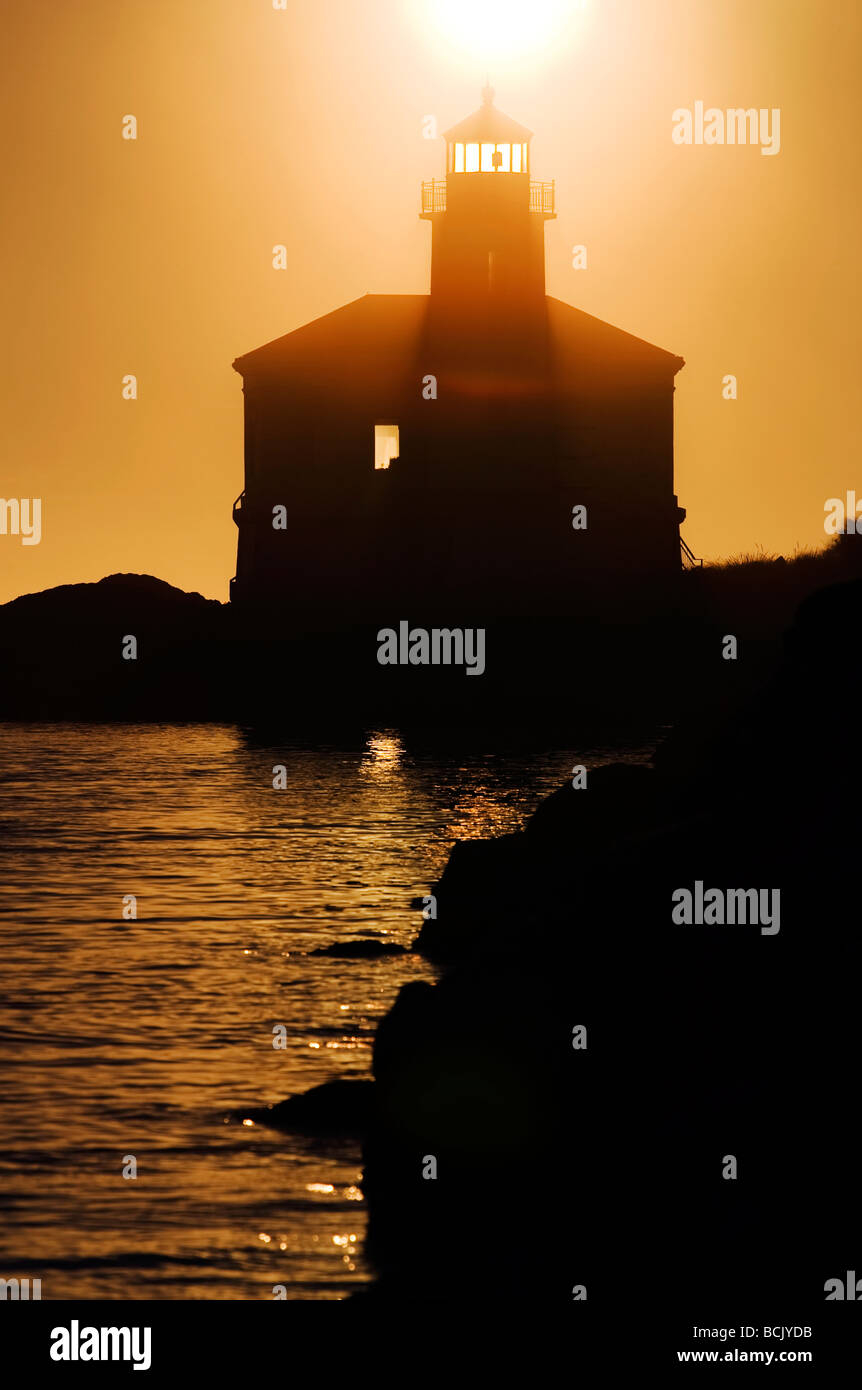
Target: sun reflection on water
point(382, 756)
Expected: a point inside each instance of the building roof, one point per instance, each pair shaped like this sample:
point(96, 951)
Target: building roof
point(391, 326)
point(390, 323)
point(601, 344)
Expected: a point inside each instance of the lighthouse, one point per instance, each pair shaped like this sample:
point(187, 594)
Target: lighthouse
point(483, 450)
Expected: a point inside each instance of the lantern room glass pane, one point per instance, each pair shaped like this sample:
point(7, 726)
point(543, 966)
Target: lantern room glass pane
point(459, 159)
point(472, 159)
point(516, 159)
point(504, 164)
point(524, 165)
point(487, 159)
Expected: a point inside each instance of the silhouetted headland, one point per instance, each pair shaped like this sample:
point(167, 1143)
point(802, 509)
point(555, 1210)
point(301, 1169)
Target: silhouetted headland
point(62, 656)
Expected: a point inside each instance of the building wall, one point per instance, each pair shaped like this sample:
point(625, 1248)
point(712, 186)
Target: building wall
point(474, 519)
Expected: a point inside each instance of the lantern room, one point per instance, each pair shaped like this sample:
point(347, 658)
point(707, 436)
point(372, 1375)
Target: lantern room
point(488, 142)
point(487, 161)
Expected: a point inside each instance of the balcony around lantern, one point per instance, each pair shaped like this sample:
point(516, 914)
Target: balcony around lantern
point(542, 198)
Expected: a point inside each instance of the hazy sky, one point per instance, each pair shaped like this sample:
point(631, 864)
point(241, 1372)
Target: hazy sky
point(304, 126)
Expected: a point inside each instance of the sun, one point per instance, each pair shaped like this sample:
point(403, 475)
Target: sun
point(489, 30)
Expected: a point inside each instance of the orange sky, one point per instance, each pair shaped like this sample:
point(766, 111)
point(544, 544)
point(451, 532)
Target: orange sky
point(304, 127)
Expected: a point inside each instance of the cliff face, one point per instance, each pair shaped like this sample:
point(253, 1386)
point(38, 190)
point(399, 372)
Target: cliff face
point(607, 1164)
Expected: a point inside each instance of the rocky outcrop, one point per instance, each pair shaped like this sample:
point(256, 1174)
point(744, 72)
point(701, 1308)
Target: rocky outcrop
point(61, 651)
point(364, 948)
point(614, 1099)
point(334, 1108)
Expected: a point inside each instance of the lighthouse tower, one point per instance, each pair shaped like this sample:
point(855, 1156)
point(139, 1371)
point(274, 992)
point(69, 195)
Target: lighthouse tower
point(488, 219)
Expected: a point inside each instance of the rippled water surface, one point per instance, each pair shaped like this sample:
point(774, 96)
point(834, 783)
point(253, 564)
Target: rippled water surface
point(138, 1037)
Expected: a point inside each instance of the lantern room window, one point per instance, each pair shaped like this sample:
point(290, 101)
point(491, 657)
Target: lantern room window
point(488, 142)
point(475, 158)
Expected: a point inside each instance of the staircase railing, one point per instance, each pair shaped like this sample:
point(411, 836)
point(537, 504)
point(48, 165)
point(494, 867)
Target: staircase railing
point(689, 559)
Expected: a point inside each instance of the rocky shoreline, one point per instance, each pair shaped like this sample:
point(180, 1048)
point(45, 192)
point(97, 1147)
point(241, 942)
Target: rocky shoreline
point(585, 1067)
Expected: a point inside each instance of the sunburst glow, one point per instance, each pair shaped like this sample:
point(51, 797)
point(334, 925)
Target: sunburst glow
point(500, 29)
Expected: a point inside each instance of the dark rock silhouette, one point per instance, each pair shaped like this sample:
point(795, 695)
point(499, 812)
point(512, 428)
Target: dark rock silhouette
point(363, 949)
point(603, 1166)
point(333, 1108)
point(61, 651)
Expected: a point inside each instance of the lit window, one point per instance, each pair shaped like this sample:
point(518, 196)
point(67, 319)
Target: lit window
point(516, 159)
point(487, 159)
point(472, 159)
point(503, 158)
point(524, 156)
point(385, 445)
point(459, 159)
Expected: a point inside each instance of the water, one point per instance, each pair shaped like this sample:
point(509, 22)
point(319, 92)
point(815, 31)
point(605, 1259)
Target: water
point(142, 1037)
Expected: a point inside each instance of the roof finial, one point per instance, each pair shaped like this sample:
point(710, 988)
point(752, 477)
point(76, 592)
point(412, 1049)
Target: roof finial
point(488, 93)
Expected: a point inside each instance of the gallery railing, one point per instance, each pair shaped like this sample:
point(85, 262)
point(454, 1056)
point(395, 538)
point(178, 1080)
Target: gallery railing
point(542, 197)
